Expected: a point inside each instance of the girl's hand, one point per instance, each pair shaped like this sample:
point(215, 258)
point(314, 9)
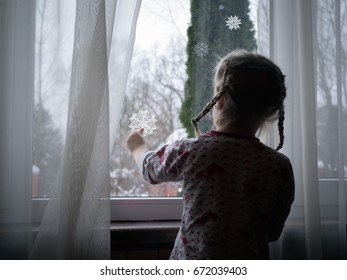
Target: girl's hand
point(135, 141)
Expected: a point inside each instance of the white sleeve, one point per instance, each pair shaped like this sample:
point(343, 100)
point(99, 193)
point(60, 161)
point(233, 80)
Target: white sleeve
point(142, 159)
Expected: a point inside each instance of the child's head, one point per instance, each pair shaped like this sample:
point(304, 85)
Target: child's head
point(253, 90)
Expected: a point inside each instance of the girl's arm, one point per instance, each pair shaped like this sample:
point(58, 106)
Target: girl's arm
point(163, 165)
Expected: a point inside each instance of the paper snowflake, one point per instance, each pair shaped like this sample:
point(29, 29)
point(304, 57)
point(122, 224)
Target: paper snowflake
point(201, 49)
point(233, 22)
point(145, 120)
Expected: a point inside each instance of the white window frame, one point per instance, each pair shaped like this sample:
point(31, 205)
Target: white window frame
point(128, 209)
point(149, 208)
point(170, 208)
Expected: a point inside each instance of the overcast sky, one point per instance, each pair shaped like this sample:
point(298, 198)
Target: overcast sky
point(159, 20)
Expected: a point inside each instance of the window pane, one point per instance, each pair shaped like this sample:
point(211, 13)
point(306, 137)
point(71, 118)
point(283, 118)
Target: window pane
point(331, 90)
point(54, 39)
point(218, 27)
point(156, 84)
point(178, 44)
point(158, 81)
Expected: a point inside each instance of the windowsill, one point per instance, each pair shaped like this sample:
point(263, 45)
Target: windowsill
point(125, 235)
point(146, 208)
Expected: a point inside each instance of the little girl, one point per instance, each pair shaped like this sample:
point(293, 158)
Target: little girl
point(237, 192)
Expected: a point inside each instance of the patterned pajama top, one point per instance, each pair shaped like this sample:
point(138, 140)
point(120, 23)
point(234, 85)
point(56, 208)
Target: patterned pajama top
point(237, 194)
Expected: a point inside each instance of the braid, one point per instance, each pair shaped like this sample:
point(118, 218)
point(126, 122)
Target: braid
point(214, 100)
point(204, 111)
point(280, 129)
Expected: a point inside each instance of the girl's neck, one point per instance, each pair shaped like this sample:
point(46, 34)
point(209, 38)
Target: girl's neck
point(240, 128)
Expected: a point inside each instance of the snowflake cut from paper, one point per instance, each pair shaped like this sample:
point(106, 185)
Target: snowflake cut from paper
point(201, 49)
point(145, 120)
point(233, 22)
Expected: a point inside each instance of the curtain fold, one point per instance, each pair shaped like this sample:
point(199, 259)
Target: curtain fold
point(340, 65)
point(307, 100)
point(76, 224)
point(294, 52)
point(17, 48)
point(306, 39)
point(76, 221)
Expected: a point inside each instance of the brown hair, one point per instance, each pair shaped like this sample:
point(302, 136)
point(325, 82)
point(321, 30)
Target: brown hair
point(253, 87)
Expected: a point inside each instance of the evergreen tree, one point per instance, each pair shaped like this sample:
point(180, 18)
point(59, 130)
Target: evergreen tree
point(47, 148)
point(208, 25)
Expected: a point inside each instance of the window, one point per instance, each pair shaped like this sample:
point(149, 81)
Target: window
point(174, 81)
point(282, 27)
point(331, 89)
point(53, 56)
point(173, 59)
point(156, 84)
point(331, 112)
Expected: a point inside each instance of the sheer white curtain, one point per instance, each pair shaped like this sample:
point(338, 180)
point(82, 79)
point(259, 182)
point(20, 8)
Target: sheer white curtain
point(306, 39)
point(76, 222)
point(17, 29)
